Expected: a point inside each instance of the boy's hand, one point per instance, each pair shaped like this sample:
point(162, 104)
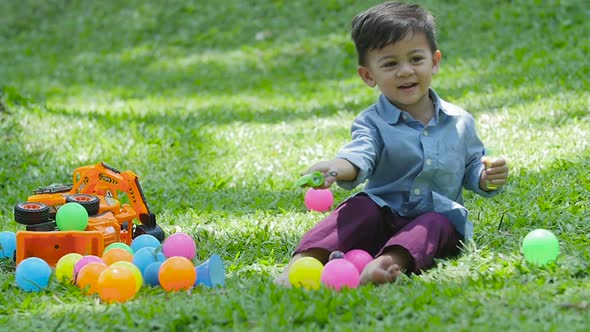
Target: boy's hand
point(335, 169)
point(495, 175)
point(328, 169)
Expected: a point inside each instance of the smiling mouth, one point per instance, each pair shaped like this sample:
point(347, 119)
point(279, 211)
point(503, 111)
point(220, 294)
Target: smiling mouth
point(408, 86)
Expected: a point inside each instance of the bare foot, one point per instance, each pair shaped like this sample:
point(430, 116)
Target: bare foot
point(282, 280)
point(381, 270)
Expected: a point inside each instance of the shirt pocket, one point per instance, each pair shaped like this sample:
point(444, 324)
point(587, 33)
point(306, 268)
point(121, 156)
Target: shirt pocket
point(450, 167)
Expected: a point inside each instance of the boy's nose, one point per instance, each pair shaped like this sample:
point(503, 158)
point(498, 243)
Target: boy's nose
point(405, 70)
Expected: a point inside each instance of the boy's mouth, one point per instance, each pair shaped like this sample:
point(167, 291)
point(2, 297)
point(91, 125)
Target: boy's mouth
point(407, 86)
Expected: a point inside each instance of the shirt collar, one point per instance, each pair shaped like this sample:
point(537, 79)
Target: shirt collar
point(392, 115)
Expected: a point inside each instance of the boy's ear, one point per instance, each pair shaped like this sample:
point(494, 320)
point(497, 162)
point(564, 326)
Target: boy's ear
point(436, 57)
point(366, 76)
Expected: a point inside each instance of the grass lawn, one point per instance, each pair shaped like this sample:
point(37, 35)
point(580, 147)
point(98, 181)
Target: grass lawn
point(219, 105)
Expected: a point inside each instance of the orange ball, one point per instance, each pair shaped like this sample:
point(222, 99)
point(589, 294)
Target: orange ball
point(87, 277)
point(116, 284)
point(177, 273)
point(134, 269)
point(117, 255)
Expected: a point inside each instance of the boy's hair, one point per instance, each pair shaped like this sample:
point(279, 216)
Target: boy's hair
point(389, 23)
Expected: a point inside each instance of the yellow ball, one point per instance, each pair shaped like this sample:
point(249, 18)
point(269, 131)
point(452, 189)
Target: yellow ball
point(64, 269)
point(306, 272)
point(134, 269)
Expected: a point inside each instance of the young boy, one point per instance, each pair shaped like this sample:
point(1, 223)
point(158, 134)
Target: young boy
point(415, 151)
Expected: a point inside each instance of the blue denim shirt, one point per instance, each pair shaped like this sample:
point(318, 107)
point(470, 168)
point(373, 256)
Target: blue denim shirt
point(414, 169)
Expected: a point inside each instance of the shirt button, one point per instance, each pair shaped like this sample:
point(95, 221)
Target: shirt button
point(405, 117)
point(417, 191)
point(428, 162)
point(425, 132)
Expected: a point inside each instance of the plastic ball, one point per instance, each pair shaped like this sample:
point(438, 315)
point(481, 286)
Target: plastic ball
point(144, 240)
point(150, 274)
point(179, 244)
point(116, 284)
point(339, 273)
point(147, 255)
point(7, 244)
point(134, 269)
point(116, 255)
point(84, 261)
point(306, 272)
point(359, 258)
point(64, 268)
point(120, 245)
point(71, 217)
point(319, 200)
point(87, 278)
point(177, 273)
point(32, 274)
point(335, 255)
point(540, 247)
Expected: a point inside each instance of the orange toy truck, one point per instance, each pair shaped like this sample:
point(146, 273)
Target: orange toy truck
point(97, 188)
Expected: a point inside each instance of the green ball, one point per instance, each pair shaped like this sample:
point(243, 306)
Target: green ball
point(118, 245)
point(540, 247)
point(71, 217)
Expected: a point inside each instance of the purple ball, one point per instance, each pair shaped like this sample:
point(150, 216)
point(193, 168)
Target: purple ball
point(85, 260)
point(335, 255)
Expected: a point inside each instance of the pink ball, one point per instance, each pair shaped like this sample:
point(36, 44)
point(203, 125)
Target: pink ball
point(359, 258)
point(85, 260)
point(179, 244)
point(339, 273)
point(319, 200)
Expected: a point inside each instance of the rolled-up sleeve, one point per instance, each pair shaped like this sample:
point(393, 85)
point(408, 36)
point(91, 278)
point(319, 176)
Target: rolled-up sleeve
point(362, 151)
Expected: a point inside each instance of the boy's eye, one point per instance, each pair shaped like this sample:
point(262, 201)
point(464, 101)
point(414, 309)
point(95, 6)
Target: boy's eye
point(390, 64)
point(417, 59)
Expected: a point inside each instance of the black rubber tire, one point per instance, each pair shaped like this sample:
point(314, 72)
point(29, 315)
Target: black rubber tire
point(90, 202)
point(155, 231)
point(49, 226)
point(31, 213)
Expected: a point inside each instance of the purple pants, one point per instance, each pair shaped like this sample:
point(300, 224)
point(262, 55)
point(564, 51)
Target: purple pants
point(359, 223)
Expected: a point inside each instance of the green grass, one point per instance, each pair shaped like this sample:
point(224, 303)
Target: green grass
point(219, 105)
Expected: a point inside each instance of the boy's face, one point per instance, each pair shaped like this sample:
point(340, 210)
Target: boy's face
point(403, 72)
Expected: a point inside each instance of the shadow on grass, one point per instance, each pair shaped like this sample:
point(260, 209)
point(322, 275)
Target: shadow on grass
point(190, 49)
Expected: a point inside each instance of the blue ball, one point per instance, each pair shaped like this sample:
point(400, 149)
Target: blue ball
point(144, 240)
point(7, 244)
point(32, 274)
point(150, 274)
point(145, 256)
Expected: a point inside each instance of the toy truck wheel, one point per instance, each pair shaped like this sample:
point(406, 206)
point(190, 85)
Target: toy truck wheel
point(155, 231)
point(90, 202)
point(31, 213)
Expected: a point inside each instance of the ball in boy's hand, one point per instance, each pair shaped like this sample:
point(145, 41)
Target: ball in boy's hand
point(319, 200)
point(540, 247)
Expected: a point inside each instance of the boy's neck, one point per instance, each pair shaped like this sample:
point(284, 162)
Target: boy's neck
point(423, 111)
